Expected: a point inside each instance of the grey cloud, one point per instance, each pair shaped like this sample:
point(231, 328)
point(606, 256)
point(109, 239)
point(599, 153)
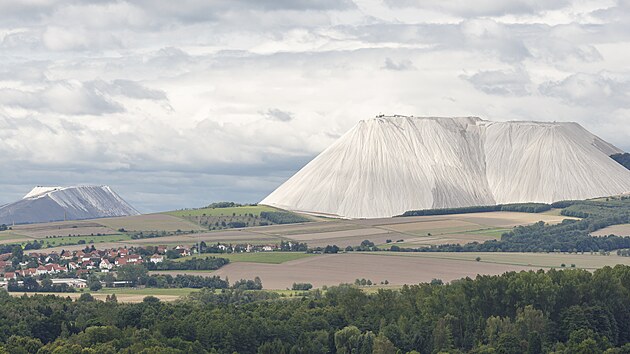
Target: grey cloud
point(78, 98)
point(466, 8)
point(300, 4)
point(501, 82)
point(602, 89)
point(64, 97)
point(402, 65)
point(276, 114)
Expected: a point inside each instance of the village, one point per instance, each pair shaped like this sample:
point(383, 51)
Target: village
point(73, 267)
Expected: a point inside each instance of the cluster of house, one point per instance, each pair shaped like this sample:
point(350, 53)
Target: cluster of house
point(82, 262)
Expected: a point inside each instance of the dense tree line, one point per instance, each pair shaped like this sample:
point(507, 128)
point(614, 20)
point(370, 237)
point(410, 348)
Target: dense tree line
point(30, 284)
point(623, 159)
point(283, 217)
point(521, 207)
point(186, 281)
point(207, 263)
point(570, 311)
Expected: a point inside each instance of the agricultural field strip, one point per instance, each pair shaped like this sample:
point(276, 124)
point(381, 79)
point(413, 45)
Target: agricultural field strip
point(543, 260)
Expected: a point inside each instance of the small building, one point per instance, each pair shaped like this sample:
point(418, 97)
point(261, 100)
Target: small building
point(156, 258)
point(105, 264)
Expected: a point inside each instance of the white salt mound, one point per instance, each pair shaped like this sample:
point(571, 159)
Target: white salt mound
point(44, 204)
point(388, 165)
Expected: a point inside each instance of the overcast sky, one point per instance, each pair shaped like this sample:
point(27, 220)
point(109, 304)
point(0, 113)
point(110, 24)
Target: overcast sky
point(180, 103)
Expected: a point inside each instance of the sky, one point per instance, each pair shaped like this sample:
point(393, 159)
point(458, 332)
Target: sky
point(177, 104)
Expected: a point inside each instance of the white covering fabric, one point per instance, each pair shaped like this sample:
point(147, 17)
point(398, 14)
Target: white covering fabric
point(388, 165)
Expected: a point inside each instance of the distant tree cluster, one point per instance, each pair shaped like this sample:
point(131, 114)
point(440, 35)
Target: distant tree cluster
point(327, 249)
point(243, 284)
point(521, 207)
point(282, 217)
point(293, 246)
point(302, 286)
point(30, 284)
point(623, 159)
point(207, 263)
point(186, 281)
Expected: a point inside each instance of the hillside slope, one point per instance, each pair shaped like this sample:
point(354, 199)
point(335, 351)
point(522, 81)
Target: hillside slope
point(388, 165)
point(43, 204)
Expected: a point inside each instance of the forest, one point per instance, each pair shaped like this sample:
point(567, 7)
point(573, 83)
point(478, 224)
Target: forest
point(560, 311)
point(623, 159)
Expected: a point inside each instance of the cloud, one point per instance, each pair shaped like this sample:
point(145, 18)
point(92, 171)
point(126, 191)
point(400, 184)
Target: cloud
point(276, 114)
point(501, 82)
point(482, 7)
point(601, 89)
point(64, 97)
point(402, 65)
point(73, 97)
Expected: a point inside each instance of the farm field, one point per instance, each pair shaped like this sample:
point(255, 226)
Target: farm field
point(539, 260)
point(413, 231)
point(345, 268)
point(619, 230)
point(149, 222)
point(255, 257)
point(63, 228)
point(405, 268)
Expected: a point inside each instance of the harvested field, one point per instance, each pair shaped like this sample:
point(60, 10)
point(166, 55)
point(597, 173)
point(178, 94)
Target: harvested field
point(619, 230)
point(63, 229)
point(422, 227)
point(314, 227)
point(149, 222)
point(338, 234)
point(345, 268)
point(539, 260)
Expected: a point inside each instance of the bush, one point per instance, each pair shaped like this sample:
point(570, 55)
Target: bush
point(302, 286)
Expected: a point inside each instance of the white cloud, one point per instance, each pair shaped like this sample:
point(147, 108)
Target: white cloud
point(601, 90)
point(501, 82)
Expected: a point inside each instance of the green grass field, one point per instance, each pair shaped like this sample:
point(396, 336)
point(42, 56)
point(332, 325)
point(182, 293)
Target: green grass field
point(8, 235)
point(494, 232)
point(255, 257)
point(74, 240)
point(242, 210)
